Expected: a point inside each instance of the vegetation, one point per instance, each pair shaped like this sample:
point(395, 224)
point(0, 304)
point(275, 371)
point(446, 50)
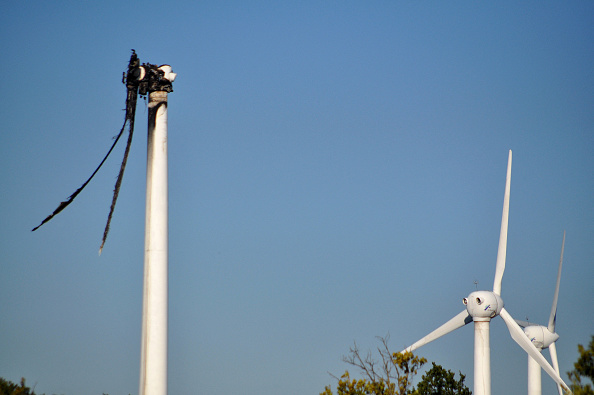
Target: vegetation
point(393, 374)
point(438, 381)
point(10, 388)
point(583, 369)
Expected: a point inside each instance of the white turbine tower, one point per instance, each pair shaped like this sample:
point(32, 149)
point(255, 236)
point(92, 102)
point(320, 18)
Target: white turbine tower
point(544, 337)
point(481, 307)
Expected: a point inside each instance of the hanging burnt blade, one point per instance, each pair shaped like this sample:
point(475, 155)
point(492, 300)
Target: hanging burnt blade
point(132, 79)
point(139, 80)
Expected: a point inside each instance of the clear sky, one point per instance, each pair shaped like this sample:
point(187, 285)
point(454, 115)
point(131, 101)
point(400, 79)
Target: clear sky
point(336, 173)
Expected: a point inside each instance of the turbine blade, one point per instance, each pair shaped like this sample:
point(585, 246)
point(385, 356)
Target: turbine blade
point(130, 115)
point(520, 337)
point(553, 352)
point(553, 317)
point(524, 324)
point(132, 85)
point(502, 250)
point(458, 321)
point(65, 203)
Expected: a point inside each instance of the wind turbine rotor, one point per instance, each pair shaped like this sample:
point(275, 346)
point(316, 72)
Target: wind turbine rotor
point(540, 336)
point(483, 305)
point(544, 337)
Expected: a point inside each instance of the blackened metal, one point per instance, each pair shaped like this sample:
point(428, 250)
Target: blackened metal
point(132, 86)
point(131, 81)
point(154, 80)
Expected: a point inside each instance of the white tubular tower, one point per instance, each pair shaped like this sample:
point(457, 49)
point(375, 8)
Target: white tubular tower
point(482, 358)
point(153, 364)
point(534, 377)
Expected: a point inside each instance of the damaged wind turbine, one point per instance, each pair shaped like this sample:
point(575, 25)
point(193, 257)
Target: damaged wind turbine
point(156, 82)
point(481, 307)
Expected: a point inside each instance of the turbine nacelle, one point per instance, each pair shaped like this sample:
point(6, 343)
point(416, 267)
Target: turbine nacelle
point(540, 336)
point(483, 305)
point(141, 72)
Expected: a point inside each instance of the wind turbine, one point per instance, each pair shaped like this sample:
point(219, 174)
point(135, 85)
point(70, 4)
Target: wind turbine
point(544, 337)
point(156, 81)
point(481, 307)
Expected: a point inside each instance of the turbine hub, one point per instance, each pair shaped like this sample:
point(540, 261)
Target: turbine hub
point(483, 305)
point(540, 336)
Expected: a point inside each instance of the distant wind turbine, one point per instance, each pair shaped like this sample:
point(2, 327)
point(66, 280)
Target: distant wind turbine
point(544, 337)
point(481, 307)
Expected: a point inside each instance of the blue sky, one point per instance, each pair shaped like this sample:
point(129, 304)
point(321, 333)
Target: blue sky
point(336, 173)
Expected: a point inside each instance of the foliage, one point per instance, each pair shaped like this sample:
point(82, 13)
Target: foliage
point(438, 381)
point(10, 388)
point(583, 368)
point(391, 375)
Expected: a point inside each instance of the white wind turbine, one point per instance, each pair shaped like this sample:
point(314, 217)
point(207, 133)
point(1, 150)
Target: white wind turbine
point(481, 307)
point(544, 337)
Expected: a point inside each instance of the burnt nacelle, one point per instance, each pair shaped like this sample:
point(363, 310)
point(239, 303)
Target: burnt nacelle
point(483, 305)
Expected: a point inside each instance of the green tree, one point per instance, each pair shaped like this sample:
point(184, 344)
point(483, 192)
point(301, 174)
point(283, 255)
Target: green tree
point(583, 368)
point(391, 374)
point(438, 381)
point(10, 388)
